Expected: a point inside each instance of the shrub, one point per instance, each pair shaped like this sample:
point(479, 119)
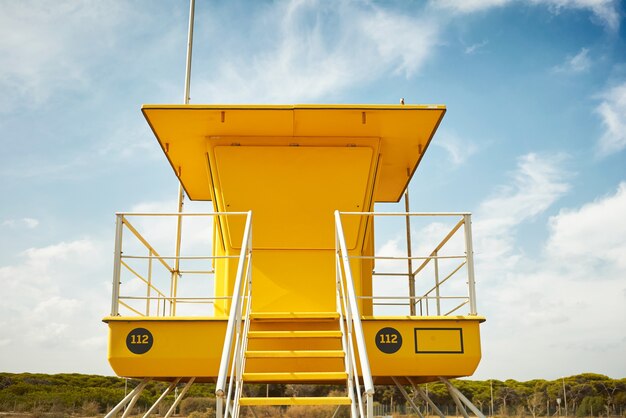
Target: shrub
point(90, 408)
point(196, 404)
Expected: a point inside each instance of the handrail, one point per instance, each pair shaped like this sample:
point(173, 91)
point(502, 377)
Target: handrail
point(141, 239)
point(407, 213)
point(128, 265)
point(177, 214)
point(356, 318)
point(232, 317)
point(441, 244)
point(450, 240)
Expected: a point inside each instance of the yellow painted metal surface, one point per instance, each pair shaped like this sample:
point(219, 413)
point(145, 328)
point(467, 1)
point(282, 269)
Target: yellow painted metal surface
point(405, 132)
point(303, 377)
point(293, 166)
point(293, 192)
point(192, 347)
point(329, 400)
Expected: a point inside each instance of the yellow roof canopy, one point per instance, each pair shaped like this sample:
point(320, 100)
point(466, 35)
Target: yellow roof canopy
point(402, 131)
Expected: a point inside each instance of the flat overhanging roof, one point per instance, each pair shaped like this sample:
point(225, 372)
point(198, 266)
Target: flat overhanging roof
point(404, 132)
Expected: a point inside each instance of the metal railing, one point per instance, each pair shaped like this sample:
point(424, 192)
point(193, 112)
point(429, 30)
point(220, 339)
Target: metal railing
point(141, 273)
point(236, 338)
point(457, 257)
point(352, 329)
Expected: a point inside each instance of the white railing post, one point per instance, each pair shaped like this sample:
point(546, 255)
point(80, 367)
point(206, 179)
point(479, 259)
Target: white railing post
point(149, 286)
point(117, 263)
point(354, 308)
point(233, 318)
point(437, 290)
point(219, 406)
point(469, 251)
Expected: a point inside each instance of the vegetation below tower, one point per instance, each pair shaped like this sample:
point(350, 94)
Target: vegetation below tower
point(89, 395)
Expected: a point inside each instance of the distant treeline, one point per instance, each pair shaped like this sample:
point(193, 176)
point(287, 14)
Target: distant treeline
point(89, 395)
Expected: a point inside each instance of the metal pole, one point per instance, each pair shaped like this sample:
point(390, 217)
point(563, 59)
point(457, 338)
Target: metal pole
point(564, 396)
point(179, 397)
point(409, 253)
point(407, 397)
point(181, 195)
point(425, 396)
point(127, 398)
point(117, 263)
point(457, 394)
point(469, 249)
point(163, 395)
point(491, 390)
point(235, 304)
point(192, 6)
point(437, 293)
point(149, 289)
point(354, 308)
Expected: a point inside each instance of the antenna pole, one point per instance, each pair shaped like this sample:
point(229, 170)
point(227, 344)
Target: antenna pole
point(181, 194)
point(408, 248)
point(192, 6)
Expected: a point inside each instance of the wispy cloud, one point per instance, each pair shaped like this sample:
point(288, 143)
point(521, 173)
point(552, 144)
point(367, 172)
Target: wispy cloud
point(612, 110)
point(606, 12)
point(309, 60)
point(537, 183)
point(474, 48)
point(468, 6)
point(45, 48)
point(29, 223)
point(458, 149)
point(575, 64)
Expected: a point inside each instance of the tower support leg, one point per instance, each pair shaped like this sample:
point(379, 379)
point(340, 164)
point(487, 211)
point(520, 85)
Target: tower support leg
point(128, 398)
point(180, 397)
point(163, 395)
point(406, 396)
point(425, 397)
point(459, 397)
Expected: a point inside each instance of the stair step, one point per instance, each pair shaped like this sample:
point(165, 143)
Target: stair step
point(296, 354)
point(279, 316)
point(331, 400)
point(294, 334)
point(295, 377)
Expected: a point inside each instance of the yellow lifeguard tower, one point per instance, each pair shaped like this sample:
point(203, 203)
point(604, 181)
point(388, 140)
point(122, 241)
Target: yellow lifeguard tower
point(299, 291)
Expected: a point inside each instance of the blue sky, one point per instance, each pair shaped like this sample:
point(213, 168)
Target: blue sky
point(533, 144)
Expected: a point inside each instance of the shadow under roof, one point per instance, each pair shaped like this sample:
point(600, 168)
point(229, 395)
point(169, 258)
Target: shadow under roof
point(404, 131)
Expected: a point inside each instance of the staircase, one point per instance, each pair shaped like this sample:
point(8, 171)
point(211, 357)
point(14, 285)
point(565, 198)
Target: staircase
point(300, 348)
point(294, 347)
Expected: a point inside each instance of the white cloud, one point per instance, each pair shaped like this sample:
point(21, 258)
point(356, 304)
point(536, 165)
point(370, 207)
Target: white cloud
point(552, 304)
point(605, 11)
point(44, 48)
point(537, 183)
point(29, 223)
point(593, 235)
point(55, 297)
point(474, 48)
point(309, 60)
point(468, 6)
point(577, 64)
point(612, 110)
point(458, 149)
